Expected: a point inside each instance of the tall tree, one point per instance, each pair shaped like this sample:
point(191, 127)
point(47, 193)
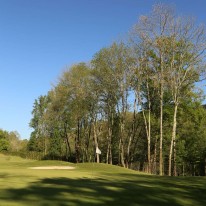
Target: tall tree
point(185, 67)
point(112, 71)
point(175, 48)
point(38, 122)
point(146, 35)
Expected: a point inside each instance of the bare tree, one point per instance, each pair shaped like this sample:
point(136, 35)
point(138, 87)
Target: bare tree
point(147, 33)
point(186, 52)
point(175, 49)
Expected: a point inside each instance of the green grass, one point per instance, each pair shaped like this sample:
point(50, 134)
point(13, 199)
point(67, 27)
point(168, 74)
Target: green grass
point(93, 184)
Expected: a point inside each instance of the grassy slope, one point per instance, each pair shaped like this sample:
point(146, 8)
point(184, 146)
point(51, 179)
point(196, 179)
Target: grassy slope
point(93, 184)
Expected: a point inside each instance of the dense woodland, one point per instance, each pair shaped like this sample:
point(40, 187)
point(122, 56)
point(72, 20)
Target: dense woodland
point(136, 100)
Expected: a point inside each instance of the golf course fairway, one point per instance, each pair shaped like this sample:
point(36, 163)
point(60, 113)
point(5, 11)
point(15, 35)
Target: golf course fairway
point(87, 184)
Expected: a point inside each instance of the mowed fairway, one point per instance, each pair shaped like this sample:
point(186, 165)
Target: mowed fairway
point(92, 184)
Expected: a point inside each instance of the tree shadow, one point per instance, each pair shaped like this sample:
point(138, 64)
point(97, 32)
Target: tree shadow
point(130, 190)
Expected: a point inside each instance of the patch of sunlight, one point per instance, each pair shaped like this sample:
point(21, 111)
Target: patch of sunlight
point(9, 203)
point(86, 190)
point(91, 200)
point(159, 199)
point(113, 188)
point(184, 201)
point(146, 185)
point(178, 189)
point(82, 198)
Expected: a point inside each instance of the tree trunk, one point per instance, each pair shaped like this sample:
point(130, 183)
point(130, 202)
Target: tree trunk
point(161, 137)
point(147, 122)
point(149, 128)
point(121, 146)
point(175, 165)
point(173, 139)
point(122, 124)
point(155, 157)
point(45, 146)
point(128, 151)
point(109, 146)
point(109, 138)
point(77, 137)
point(131, 136)
point(68, 147)
point(95, 140)
point(161, 127)
point(122, 154)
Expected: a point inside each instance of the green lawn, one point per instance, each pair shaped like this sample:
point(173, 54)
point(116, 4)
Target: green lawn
point(93, 184)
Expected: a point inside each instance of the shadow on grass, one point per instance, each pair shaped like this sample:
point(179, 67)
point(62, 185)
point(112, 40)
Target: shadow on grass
point(127, 190)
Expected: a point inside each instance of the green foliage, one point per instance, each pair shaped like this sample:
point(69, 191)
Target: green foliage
point(4, 141)
point(11, 143)
point(4, 145)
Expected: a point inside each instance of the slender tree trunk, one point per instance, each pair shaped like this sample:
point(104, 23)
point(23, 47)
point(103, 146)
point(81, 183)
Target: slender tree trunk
point(68, 146)
point(131, 136)
point(109, 144)
point(148, 139)
point(77, 137)
point(45, 146)
point(161, 134)
point(155, 157)
point(147, 122)
point(149, 129)
point(95, 140)
point(121, 113)
point(122, 124)
point(107, 157)
point(128, 151)
point(109, 139)
point(175, 166)
point(173, 139)
point(121, 145)
point(161, 121)
point(119, 155)
point(110, 156)
point(88, 142)
point(110, 148)
point(122, 154)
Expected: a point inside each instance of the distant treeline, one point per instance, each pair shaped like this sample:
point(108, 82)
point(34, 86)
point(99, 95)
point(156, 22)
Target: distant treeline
point(10, 142)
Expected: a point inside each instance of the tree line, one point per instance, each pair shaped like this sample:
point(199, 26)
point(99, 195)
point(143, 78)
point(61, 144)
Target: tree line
point(137, 101)
point(10, 142)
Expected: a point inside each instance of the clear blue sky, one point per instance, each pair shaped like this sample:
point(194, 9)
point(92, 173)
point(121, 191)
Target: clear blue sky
point(39, 38)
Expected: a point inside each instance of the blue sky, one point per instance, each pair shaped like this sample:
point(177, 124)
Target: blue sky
point(39, 38)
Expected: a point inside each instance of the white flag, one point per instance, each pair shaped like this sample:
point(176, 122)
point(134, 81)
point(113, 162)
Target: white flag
point(98, 151)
